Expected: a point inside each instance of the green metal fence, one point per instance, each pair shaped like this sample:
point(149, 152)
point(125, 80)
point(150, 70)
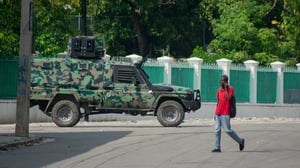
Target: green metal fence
point(155, 72)
point(240, 80)
point(291, 85)
point(182, 75)
point(291, 79)
point(210, 76)
point(8, 78)
point(266, 85)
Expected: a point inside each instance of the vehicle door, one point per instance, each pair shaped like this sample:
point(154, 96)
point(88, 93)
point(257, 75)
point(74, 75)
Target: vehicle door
point(127, 90)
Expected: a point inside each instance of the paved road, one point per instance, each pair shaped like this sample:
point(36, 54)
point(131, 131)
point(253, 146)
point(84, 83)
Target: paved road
point(145, 144)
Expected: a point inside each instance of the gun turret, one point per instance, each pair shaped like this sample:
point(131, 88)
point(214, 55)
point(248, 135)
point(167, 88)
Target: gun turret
point(86, 47)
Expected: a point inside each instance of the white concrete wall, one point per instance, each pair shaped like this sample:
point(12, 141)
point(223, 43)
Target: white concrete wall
point(8, 113)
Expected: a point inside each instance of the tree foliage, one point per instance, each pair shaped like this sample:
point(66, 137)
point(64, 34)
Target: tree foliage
point(263, 30)
point(9, 27)
point(147, 27)
point(54, 25)
point(289, 27)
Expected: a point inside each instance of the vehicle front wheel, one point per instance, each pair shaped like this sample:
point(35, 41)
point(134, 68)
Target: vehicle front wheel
point(65, 113)
point(170, 113)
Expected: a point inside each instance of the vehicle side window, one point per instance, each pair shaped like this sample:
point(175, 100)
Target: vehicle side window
point(125, 75)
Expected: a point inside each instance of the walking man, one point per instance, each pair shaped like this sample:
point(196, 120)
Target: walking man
point(222, 115)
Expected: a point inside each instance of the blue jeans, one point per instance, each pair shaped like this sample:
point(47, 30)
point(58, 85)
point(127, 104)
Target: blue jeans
point(224, 121)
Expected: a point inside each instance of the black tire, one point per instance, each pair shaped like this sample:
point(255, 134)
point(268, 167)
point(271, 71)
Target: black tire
point(170, 113)
point(65, 113)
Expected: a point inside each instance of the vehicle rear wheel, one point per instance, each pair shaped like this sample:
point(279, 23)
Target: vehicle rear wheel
point(65, 113)
point(170, 113)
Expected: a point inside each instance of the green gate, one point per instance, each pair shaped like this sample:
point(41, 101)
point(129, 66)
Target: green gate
point(240, 80)
point(155, 72)
point(210, 82)
point(291, 85)
point(266, 85)
point(182, 75)
point(8, 78)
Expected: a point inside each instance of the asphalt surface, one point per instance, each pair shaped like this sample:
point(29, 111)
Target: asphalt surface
point(270, 142)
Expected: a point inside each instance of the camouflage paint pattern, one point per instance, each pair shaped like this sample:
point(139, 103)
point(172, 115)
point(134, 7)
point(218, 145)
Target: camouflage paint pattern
point(91, 82)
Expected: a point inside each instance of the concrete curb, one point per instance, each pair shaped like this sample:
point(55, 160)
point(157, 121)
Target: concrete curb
point(9, 141)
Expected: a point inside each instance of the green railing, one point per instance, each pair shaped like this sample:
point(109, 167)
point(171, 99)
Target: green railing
point(240, 80)
point(291, 85)
point(210, 82)
point(182, 75)
point(155, 72)
point(291, 79)
point(8, 78)
point(266, 85)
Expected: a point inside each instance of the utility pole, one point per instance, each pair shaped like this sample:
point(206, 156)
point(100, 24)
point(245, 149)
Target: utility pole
point(25, 53)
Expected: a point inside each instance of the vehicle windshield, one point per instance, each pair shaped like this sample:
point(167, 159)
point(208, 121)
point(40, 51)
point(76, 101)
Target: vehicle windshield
point(145, 76)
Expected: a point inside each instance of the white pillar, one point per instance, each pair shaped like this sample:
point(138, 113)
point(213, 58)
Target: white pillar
point(252, 66)
point(106, 58)
point(134, 58)
point(279, 67)
point(196, 63)
point(224, 64)
point(298, 66)
point(167, 68)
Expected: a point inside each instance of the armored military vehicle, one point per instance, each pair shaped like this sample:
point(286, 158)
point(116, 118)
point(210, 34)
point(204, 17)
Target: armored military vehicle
point(83, 84)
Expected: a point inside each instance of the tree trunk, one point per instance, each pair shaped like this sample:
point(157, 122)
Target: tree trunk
point(142, 35)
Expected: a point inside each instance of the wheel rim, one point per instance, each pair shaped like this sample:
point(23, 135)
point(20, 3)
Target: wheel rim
point(65, 114)
point(170, 113)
